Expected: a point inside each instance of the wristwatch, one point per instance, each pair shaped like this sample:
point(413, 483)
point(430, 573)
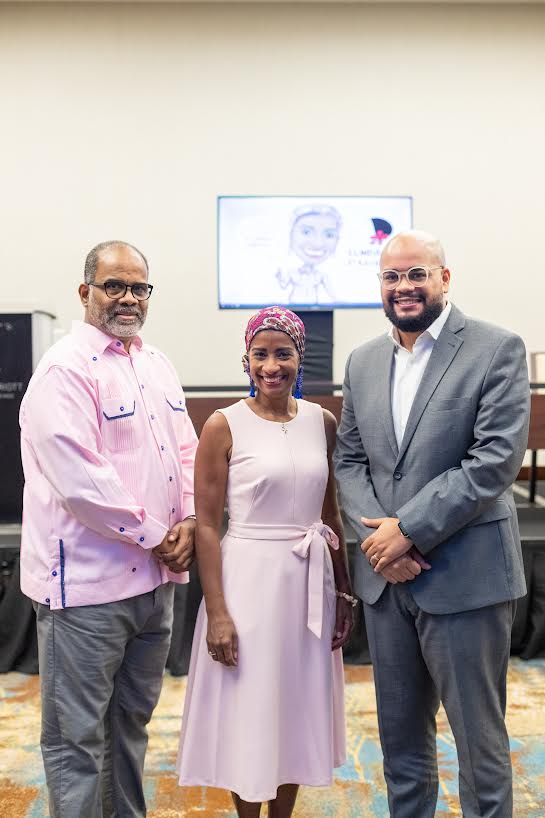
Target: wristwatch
point(405, 534)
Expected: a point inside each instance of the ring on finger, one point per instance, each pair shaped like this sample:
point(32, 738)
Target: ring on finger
point(212, 653)
point(374, 559)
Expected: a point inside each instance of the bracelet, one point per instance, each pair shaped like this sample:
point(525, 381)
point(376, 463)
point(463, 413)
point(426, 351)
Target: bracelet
point(352, 599)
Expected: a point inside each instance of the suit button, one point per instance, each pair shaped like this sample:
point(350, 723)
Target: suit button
point(397, 475)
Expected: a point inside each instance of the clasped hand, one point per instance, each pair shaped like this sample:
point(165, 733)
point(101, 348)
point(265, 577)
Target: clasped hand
point(390, 553)
point(177, 550)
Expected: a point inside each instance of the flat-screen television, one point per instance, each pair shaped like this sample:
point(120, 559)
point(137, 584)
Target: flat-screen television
point(305, 252)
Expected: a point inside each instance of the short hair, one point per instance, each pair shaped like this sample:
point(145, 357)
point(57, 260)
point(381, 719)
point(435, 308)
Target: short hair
point(430, 242)
point(93, 257)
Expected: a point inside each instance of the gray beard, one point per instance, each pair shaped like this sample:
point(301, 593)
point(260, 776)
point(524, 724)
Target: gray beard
point(121, 329)
point(112, 325)
point(419, 324)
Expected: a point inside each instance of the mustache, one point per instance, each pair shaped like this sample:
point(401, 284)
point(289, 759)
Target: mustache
point(118, 311)
point(416, 297)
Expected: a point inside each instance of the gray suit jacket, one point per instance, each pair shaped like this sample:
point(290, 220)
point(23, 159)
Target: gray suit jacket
point(450, 481)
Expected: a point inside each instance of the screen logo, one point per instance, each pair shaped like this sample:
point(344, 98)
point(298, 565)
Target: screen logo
point(383, 229)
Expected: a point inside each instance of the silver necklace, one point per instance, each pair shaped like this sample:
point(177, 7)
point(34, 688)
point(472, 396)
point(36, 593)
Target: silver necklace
point(284, 428)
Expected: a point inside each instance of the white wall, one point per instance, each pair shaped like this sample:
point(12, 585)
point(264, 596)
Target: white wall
point(122, 121)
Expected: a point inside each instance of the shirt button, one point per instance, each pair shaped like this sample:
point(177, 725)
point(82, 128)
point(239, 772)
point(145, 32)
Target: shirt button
point(121, 408)
point(141, 386)
point(173, 510)
point(141, 539)
point(170, 478)
point(162, 448)
point(47, 600)
point(152, 417)
point(133, 570)
point(95, 358)
point(397, 475)
point(118, 343)
point(53, 573)
point(122, 529)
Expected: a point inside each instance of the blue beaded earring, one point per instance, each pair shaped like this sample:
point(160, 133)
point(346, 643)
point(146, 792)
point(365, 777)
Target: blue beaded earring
point(252, 388)
point(299, 384)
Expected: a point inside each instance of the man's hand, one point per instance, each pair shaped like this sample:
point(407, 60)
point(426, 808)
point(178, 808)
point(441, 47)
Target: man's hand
point(406, 568)
point(386, 544)
point(177, 550)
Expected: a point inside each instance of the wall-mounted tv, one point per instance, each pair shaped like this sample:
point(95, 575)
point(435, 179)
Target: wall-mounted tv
point(306, 252)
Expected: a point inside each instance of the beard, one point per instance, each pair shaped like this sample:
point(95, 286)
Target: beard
point(108, 321)
point(418, 323)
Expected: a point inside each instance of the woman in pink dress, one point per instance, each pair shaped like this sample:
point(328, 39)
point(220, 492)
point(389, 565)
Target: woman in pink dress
point(264, 709)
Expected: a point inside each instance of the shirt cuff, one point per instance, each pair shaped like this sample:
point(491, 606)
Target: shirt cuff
point(148, 535)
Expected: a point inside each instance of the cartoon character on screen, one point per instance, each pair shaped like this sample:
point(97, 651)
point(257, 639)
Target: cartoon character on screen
point(314, 235)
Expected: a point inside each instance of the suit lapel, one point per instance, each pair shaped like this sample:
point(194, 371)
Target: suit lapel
point(443, 353)
point(384, 364)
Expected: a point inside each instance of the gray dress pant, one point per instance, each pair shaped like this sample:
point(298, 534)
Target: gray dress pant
point(420, 660)
point(101, 669)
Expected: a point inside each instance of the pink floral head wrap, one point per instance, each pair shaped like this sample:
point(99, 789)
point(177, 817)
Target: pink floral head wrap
point(275, 318)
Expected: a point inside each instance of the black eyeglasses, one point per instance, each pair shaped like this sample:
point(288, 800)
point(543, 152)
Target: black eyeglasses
point(118, 289)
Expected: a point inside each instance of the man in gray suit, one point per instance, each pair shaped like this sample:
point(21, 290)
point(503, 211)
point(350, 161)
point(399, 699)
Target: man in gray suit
point(433, 431)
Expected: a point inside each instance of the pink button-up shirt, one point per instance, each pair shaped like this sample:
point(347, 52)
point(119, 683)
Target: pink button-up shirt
point(108, 452)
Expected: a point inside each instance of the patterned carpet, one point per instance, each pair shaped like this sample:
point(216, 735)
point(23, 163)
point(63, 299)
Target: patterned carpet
point(358, 791)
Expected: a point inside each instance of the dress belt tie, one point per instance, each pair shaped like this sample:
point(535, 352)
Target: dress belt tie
point(311, 545)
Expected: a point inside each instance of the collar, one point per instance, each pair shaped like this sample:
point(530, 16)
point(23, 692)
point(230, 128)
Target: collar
point(432, 332)
point(100, 341)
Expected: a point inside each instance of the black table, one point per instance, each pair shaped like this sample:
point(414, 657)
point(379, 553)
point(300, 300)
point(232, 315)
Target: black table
point(18, 644)
point(528, 634)
point(18, 641)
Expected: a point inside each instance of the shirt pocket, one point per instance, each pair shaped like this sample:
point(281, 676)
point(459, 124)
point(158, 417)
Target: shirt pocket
point(175, 400)
point(119, 424)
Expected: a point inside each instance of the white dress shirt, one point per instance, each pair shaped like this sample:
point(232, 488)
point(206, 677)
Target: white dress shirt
point(409, 368)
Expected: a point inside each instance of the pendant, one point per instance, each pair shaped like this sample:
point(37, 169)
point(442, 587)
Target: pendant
point(284, 428)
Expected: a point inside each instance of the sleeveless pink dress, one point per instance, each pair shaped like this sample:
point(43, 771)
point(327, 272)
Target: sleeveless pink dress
point(277, 718)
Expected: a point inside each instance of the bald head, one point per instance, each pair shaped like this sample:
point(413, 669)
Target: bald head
point(411, 242)
point(413, 304)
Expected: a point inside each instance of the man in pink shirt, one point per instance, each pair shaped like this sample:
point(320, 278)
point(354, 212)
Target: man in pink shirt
point(108, 451)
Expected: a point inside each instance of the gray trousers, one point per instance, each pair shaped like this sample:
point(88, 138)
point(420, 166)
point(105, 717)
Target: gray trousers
point(420, 660)
point(101, 669)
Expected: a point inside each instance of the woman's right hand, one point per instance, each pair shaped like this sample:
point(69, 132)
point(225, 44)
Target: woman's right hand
point(222, 639)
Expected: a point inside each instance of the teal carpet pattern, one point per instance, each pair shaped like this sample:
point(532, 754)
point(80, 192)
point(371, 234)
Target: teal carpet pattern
point(358, 790)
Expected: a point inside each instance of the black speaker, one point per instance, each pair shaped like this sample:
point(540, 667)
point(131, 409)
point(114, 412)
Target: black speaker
point(15, 372)
point(23, 339)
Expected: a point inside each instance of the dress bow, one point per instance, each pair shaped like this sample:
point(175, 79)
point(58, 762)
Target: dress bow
point(317, 538)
